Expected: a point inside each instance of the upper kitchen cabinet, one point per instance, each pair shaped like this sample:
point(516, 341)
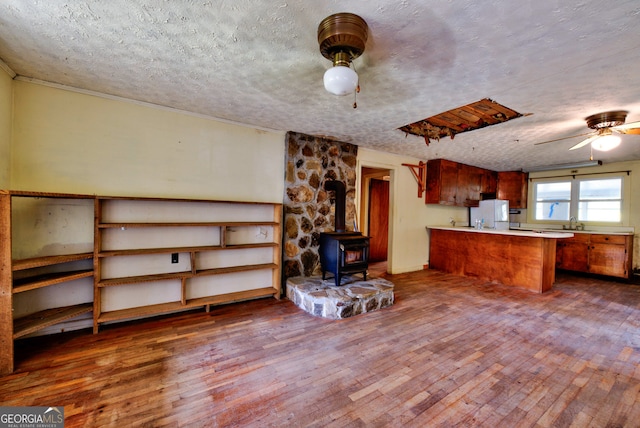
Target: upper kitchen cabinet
point(453, 183)
point(489, 184)
point(512, 185)
point(442, 182)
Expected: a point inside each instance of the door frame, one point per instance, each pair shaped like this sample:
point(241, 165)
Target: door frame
point(362, 200)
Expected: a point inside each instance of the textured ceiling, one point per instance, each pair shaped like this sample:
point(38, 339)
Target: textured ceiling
point(258, 63)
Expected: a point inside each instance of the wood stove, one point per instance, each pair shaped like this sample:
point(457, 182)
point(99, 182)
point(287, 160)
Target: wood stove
point(342, 252)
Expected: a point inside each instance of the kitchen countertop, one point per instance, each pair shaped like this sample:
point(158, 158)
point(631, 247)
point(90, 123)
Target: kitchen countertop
point(525, 233)
point(591, 232)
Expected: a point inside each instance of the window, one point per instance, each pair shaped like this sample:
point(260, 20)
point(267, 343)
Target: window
point(553, 200)
point(585, 199)
point(600, 200)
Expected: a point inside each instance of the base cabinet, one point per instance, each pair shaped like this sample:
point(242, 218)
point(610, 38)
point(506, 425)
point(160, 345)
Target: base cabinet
point(573, 253)
point(609, 255)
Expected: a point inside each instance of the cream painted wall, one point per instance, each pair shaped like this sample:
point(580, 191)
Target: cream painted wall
point(72, 142)
point(65, 141)
point(408, 238)
point(6, 101)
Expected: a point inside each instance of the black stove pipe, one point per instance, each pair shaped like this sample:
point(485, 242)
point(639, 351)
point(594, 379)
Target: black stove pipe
point(341, 201)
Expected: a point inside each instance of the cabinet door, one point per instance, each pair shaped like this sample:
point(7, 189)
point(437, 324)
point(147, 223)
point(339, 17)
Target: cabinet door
point(442, 182)
point(608, 256)
point(512, 185)
point(469, 185)
point(489, 182)
point(449, 182)
point(453, 183)
point(573, 253)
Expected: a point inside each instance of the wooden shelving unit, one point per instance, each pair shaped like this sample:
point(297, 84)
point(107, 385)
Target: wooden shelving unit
point(119, 216)
point(30, 274)
point(134, 242)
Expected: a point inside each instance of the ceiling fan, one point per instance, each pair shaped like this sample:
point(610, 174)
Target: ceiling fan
point(605, 125)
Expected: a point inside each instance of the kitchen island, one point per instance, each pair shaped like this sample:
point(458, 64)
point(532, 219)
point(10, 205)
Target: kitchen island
point(516, 258)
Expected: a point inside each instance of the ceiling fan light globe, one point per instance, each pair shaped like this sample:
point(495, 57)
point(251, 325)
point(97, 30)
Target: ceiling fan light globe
point(606, 143)
point(340, 80)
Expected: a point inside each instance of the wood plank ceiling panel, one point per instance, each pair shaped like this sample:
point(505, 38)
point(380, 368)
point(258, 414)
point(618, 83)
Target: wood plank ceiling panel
point(479, 114)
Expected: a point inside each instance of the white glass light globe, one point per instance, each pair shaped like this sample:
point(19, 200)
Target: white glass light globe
point(606, 143)
point(340, 80)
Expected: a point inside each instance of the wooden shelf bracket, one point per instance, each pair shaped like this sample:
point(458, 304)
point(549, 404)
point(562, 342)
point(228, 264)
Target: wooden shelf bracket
point(420, 173)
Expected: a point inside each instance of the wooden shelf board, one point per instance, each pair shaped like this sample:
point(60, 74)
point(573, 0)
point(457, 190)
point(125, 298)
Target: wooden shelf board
point(143, 278)
point(253, 245)
point(179, 275)
point(232, 297)
point(140, 251)
point(210, 201)
point(188, 224)
point(232, 269)
point(49, 195)
point(141, 311)
point(44, 280)
point(48, 261)
point(39, 320)
point(162, 308)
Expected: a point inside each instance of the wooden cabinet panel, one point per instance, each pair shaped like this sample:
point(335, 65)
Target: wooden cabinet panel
point(513, 186)
point(521, 261)
point(469, 185)
point(573, 253)
point(442, 182)
point(489, 183)
point(453, 183)
point(608, 259)
point(609, 239)
point(448, 182)
point(600, 254)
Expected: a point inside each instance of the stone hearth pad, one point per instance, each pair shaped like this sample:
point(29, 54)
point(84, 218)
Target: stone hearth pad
point(323, 299)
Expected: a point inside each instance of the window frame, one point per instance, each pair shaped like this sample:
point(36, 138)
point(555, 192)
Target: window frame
point(535, 198)
point(574, 202)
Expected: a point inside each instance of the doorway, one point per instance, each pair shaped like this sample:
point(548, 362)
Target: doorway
point(375, 215)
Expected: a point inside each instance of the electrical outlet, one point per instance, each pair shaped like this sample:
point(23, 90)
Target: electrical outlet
point(174, 257)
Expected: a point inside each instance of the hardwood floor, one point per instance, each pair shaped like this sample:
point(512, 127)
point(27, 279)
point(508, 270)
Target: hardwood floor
point(451, 351)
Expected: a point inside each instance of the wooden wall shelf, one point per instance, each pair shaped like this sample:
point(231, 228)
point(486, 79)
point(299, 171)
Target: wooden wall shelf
point(48, 261)
point(249, 231)
point(217, 222)
point(39, 320)
point(46, 279)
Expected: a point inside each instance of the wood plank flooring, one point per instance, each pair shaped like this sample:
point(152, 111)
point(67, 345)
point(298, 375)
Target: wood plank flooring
point(451, 351)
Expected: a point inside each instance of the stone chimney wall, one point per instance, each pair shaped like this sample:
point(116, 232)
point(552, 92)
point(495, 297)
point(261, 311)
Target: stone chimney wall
point(308, 209)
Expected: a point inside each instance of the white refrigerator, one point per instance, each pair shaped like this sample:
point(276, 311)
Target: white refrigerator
point(492, 213)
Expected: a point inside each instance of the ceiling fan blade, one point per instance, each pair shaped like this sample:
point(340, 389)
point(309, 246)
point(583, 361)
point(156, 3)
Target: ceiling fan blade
point(585, 142)
point(626, 127)
point(634, 131)
point(563, 138)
